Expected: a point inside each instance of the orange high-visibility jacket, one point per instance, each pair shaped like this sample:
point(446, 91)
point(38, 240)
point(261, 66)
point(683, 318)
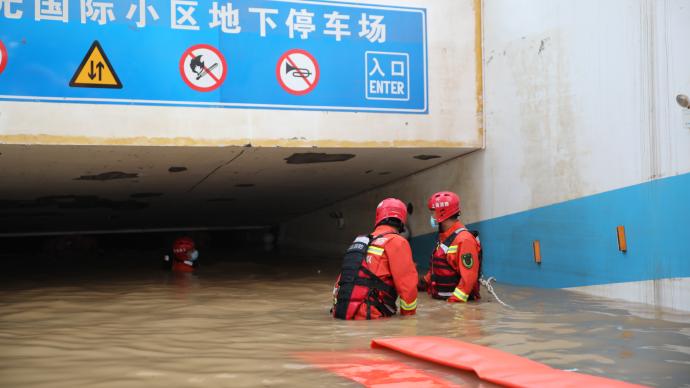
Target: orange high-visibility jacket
point(463, 257)
point(389, 258)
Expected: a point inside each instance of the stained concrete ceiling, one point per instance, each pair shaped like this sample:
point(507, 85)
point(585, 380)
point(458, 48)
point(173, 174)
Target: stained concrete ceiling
point(50, 188)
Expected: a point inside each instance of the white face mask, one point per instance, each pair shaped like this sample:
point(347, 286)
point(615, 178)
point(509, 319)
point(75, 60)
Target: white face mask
point(433, 223)
point(194, 255)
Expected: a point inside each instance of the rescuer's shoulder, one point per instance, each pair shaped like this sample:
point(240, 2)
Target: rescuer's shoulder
point(465, 238)
point(398, 241)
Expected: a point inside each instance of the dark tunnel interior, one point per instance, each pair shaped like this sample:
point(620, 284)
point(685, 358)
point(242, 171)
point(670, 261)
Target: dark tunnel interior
point(56, 256)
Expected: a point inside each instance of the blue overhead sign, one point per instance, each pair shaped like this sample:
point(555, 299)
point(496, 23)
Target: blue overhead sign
point(268, 54)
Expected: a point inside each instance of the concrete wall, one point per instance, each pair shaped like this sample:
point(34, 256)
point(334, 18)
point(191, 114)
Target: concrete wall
point(454, 105)
point(581, 125)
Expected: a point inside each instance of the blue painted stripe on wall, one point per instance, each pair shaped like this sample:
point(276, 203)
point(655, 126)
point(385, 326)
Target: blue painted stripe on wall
point(578, 238)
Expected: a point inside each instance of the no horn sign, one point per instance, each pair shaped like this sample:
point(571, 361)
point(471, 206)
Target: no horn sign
point(297, 72)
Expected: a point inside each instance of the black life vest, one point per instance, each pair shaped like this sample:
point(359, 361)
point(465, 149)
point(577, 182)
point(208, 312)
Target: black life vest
point(444, 278)
point(359, 285)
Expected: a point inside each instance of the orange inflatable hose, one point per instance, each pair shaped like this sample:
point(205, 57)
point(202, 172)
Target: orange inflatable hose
point(374, 371)
point(492, 365)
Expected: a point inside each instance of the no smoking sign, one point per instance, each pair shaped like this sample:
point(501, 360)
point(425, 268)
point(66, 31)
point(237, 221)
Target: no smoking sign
point(297, 72)
point(203, 67)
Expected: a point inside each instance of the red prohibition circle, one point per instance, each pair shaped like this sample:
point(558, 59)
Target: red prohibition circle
point(3, 60)
point(316, 69)
point(189, 83)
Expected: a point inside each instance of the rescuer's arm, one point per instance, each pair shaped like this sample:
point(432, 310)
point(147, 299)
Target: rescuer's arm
point(424, 281)
point(466, 262)
point(404, 274)
point(168, 261)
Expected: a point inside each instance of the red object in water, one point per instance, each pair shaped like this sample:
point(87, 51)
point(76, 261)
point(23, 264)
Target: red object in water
point(492, 365)
point(374, 371)
point(182, 248)
point(179, 266)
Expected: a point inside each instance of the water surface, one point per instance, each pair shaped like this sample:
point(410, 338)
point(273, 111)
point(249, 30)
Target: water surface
point(240, 324)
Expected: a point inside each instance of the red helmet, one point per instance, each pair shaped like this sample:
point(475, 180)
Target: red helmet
point(182, 247)
point(391, 208)
point(444, 204)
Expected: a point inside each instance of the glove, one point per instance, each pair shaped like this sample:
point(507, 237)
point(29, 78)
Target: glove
point(422, 284)
point(453, 299)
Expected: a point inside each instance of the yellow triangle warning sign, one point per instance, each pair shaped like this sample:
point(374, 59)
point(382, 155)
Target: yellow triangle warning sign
point(95, 70)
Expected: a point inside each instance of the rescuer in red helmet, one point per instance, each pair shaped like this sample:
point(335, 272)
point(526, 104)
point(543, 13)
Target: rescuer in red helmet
point(184, 255)
point(378, 269)
point(455, 263)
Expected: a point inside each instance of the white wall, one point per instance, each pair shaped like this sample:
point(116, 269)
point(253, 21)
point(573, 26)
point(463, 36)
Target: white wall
point(671, 293)
point(579, 99)
point(452, 121)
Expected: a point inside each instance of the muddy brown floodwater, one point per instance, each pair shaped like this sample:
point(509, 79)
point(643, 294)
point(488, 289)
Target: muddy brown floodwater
point(240, 324)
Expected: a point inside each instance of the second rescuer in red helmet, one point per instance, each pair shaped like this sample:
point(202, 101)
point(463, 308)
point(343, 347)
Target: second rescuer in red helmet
point(378, 269)
point(455, 263)
point(184, 255)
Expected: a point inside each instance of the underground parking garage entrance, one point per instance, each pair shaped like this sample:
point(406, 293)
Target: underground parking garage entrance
point(85, 230)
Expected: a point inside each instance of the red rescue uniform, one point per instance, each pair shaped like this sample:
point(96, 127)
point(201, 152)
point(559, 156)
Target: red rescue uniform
point(462, 258)
point(389, 258)
point(184, 255)
point(182, 266)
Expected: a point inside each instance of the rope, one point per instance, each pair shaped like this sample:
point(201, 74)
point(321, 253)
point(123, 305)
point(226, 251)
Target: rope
point(487, 283)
